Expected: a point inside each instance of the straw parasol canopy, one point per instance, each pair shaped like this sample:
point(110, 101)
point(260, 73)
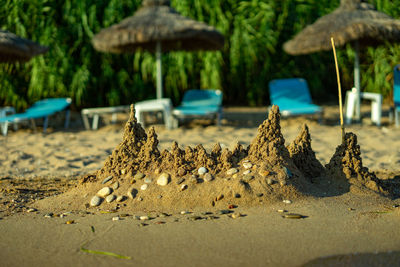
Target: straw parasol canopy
point(157, 27)
point(354, 21)
point(15, 48)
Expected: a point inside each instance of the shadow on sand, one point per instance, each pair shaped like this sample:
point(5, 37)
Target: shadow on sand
point(360, 259)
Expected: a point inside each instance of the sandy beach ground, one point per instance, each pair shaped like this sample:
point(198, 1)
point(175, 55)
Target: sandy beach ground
point(335, 231)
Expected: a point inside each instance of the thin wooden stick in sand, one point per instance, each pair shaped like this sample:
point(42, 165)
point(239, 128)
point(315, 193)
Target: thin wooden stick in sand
point(340, 89)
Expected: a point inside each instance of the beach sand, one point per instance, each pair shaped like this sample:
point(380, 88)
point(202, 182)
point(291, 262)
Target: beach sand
point(336, 229)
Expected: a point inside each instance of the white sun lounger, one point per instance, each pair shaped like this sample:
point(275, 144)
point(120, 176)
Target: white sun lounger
point(164, 105)
point(95, 113)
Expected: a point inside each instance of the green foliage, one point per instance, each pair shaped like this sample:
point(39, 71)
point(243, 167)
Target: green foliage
point(254, 31)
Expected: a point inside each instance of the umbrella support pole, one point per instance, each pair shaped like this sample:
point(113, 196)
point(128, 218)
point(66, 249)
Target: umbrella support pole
point(357, 82)
point(159, 71)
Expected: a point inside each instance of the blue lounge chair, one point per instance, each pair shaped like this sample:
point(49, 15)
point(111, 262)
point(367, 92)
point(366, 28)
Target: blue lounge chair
point(396, 93)
point(293, 97)
point(200, 104)
point(40, 109)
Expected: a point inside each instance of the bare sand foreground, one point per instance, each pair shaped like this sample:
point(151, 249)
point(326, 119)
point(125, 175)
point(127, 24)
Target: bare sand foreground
point(336, 229)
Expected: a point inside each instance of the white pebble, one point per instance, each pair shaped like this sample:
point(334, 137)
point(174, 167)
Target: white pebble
point(231, 171)
point(144, 187)
point(287, 201)
point(184, 187)
point(236, 215)
point(144, 217)
point(107, 179)
point(163, 179)
point(105, 191)
point(247, 165)
point(95, 201)
point(110, 198)
point(184, 212)
point(246, 172)
point(116, 218)
point(202, 170)
point(139, 176)
point(120, 198)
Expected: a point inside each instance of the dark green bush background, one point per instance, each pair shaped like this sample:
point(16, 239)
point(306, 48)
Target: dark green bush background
point(254, 30)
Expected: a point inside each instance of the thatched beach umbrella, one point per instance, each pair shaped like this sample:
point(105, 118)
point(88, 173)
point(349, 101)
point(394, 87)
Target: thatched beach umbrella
point(15, 48)
point(157, 27)
point(356, 22)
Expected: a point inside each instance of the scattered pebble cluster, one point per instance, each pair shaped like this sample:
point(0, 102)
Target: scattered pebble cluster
point(109, 193)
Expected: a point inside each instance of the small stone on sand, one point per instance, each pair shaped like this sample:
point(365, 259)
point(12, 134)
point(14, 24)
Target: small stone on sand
point(105, 191)
point(107, 179)
point(120, 198)
point(95, 201)
point(236, 215)
point(144, 187)
point(163, 180)
point(139, 176)
point(133, 192)
point(231, 171)
point(110, 198)
point(184, 187)
point(293, 216)
point(247, 165)
point(202, 170)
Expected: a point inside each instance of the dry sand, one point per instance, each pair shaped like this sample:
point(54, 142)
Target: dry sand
point(64, 154)
point(345, 227)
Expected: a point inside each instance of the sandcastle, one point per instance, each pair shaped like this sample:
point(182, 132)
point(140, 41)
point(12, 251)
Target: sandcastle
point(137, 174)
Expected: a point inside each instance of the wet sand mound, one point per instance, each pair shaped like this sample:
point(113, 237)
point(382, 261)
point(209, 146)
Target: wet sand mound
point(346, 166)
point(138, 176)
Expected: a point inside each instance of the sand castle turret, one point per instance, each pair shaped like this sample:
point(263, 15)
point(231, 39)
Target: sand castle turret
point(346, 164)
point(269, 143)
point(303, 155)
point(137, 151)
point(268, 149)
